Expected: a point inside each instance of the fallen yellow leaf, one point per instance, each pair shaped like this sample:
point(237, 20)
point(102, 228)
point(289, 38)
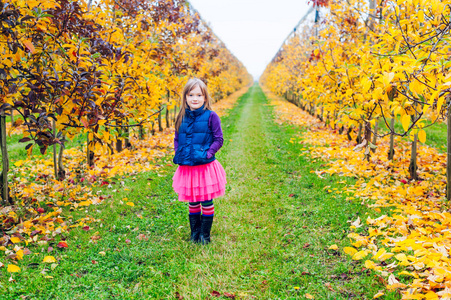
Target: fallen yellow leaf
point(49, 259)
point(333, 247)
point(13, 269)
point(15, 240)
point(380, 294)
point(349, 251)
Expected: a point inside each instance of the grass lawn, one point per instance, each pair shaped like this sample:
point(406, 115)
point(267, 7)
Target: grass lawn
point(270, 237)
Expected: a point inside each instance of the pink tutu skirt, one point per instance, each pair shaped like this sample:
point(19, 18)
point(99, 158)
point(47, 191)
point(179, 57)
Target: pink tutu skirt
point(199, 183)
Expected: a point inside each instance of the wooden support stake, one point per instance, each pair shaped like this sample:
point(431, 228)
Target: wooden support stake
point(391, 151)
point(5, 160)
point(55, 163)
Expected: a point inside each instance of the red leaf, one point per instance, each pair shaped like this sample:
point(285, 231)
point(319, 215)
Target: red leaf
point(62, 244)
point(216, 294)
point(228, 295)
point(127, 241)
point(291, 195)
point(40, 210)
point(104, 183)
point(85, 228)
point(94, 262)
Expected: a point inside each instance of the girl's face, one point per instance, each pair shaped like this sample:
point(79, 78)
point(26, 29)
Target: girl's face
point(195, 98)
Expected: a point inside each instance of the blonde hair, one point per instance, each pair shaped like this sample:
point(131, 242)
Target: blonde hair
point(190, 85)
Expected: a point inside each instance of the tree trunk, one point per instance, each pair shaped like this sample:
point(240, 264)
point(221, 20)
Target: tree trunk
point(55, 163)
point(372, 19)
point(141, 132)
point(367, 137)
point(5, 191)
point(391, 151)
point(413, 159)
point(335, 116)
point(349, 133)
point(167, 117)
point(61, 171)
point(376, 125)
point(119, 137)
point(119, 142)
point(160, 126)
point(88, 153)
point(175, 114)
point(127, 137)
point(359, 134)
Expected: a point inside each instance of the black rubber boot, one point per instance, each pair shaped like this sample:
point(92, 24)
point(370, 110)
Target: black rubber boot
point(205, 230)
point(195, 224)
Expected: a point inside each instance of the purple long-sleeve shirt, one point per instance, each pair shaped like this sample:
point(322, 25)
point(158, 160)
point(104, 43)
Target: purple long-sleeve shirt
point(214, 123)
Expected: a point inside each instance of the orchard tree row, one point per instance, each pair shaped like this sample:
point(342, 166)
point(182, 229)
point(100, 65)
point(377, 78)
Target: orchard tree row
point(101, 67)
point(367, 61)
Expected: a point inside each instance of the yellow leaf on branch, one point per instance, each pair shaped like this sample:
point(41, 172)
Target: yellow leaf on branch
point(422, 136)
point(440, 103)
point(405, 121)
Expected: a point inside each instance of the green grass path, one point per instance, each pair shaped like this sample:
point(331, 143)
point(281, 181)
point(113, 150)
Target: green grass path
point(269, 238)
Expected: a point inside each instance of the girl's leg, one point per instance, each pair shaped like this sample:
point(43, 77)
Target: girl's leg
point(194, 208)
point(208, 211)
point(195, 221)
point(208, 208)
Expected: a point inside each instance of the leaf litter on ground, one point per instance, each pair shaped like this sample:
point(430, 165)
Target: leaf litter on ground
point(407, 247)
point(37, 217)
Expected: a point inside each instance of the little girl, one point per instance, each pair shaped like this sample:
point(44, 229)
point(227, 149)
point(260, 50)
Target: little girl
point(199, 177)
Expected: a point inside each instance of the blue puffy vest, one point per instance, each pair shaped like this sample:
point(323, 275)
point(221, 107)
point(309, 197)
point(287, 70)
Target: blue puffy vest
point(194, 138)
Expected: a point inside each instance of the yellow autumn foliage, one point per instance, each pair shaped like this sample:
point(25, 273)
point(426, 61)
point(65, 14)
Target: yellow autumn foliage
point(414, 239)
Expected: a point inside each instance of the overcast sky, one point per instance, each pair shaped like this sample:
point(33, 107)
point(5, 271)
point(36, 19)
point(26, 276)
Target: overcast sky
point(252, 29)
